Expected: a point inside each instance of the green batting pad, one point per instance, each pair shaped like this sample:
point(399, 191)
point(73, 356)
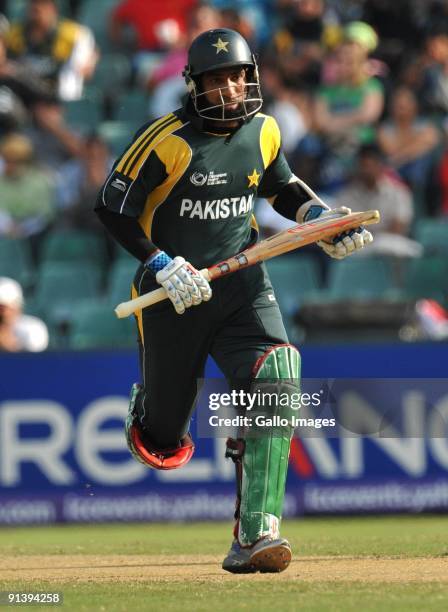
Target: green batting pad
point(265, 460)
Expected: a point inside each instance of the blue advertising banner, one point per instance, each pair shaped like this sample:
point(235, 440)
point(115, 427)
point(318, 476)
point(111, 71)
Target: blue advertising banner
point(63, 455)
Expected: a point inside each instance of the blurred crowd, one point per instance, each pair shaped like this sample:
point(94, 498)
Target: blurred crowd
point(359, 89)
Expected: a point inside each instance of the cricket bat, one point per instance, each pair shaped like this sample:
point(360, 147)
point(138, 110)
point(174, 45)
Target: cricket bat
point(283, 242)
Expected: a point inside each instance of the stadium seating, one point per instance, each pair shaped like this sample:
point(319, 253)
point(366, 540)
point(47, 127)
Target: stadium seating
point(16, 10)
point(133, 105)
point(292, 278)
point(120, 278)
point(428, 277)
point(93, 271)
point(73, 245)
point(433, 235)
point(117, 134)
point(96, 16)
point(96, 326)
point(15, 260)
point(85, 114)
point(112, 73)
point(359, 277)
point(61, 287)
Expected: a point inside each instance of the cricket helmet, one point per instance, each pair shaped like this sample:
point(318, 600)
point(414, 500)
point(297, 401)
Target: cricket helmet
point(214, 50)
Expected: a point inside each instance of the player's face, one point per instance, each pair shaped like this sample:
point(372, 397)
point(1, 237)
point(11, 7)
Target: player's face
point(42, 12)
point(225, 86)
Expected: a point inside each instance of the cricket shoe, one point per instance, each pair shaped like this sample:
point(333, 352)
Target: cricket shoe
point(266, 556)
point(143, 451)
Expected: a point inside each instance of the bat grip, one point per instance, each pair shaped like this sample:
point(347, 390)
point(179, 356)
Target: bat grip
point(125, 309)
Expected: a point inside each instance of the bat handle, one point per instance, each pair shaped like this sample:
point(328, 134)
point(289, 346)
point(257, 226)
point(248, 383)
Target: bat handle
point(125, 309)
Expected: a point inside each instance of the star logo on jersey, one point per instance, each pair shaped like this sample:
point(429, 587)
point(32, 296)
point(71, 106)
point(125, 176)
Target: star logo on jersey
point(254, 178)
point(221, 45)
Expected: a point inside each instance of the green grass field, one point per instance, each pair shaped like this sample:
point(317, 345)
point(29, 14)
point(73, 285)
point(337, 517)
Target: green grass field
point(384, 563)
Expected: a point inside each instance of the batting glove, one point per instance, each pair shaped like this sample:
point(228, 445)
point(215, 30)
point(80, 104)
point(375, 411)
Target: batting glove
point(184, 284)
point(343, 244)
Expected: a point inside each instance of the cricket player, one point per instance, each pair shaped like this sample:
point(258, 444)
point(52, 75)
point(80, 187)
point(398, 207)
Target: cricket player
point(181, 198)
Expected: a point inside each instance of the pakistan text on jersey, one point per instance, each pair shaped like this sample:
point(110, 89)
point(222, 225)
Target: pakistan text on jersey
point(216, 209)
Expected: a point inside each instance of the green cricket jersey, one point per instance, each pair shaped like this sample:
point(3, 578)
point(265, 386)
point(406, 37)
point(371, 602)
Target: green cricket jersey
point(193, 192)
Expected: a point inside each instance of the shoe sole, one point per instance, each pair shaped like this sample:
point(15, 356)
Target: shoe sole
point(240, 569)
point(271, 559)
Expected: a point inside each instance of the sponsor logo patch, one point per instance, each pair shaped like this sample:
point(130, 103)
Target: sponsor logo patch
point(200, 178)
point(217, 179)
point(119, 184)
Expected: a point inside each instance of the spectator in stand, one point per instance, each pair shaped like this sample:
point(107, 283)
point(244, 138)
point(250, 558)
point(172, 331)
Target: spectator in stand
point(52, 137)
point(287, 106)
point(376, 186)
point(436, 195)
point(251, 18)
point(26, 191)
point(408, 141)
point(398, 24)
point(18, 332)
point(147, 20)
point(433, 89)
point(20, 91)
point(156, 27)
point(233, 19)
point(166, 84)
point(201, 18)
point(78, 183)
point(347, 108)
point(60, 51)
point(345, 10)
point(297, 45)
point(29, 95)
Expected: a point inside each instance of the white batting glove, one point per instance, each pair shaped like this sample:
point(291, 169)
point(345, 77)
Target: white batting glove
point(344, 244)
point(184, 284)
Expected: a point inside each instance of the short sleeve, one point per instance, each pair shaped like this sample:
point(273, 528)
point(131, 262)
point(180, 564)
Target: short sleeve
point(127, 196)
point(277, 171)
point(276, 176)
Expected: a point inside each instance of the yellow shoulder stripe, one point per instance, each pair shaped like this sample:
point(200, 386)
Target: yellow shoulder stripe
point(175, 153)
point(141, 156)
point(141, 141)
point(270, 140)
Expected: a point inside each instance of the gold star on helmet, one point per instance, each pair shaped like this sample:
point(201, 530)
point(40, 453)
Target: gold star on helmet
point(254, 178)
point(221, 45)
